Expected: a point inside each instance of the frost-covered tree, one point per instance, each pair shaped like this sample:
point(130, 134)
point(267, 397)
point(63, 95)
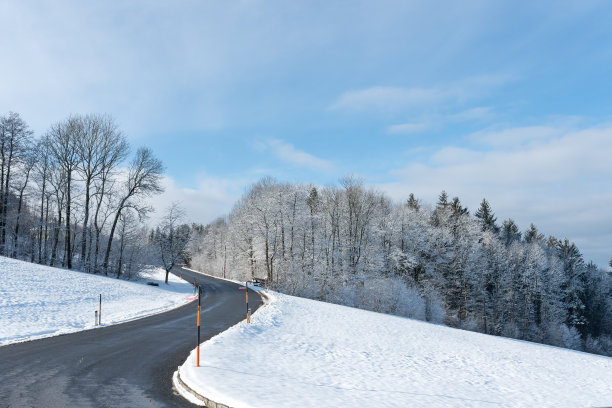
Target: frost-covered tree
point(510, 232)
point(58, 193)
point(413, 202)
point(532, 235)
point(352, 245)
point(172, 239)
point(487, 217)
point(15, 144)
point(143, 180)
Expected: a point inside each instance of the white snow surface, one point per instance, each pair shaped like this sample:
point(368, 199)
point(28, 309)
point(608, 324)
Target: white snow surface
point(39, 301)
point(303, 353)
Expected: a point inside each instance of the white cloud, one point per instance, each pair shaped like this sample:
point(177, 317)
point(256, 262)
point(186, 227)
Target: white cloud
point(436, 121)
point(561, 183)
point(381, 98)
point(289, 154)
point(214, 197)
point(396, 99)
point(406, 128)
point(514, 136)
point(477, 113)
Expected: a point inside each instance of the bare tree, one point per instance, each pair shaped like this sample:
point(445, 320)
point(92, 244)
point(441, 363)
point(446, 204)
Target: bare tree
point(42, 171)
point(143, 180)
point(57, 180)
point(63, 138)
point(172, 238)
point(26, 167)
point(100, 147)
point(15, 136)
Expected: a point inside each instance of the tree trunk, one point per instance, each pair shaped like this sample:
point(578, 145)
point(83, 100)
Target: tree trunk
point(40, 223)
point(121, 248)
point(16, 232)
point(46, 252)
point(5, 205)
point(68, 234)
point(110, 238)
point(56, 238)
point(85, 224)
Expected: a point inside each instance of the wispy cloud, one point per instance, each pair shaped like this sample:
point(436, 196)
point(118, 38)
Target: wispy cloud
point(394, 99)
point(477, 113)
point(436, 121)
point(407, 128)
point(289, 154)
point(514, 136)
point(382, 98)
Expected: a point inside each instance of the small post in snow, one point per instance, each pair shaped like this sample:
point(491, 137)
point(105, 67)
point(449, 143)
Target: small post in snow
point(199, 308)
point(246, 287)
point(95, 318)
point(100, 311)
point(246, 284)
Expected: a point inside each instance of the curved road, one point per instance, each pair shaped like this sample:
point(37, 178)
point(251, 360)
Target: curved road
point(126, 365)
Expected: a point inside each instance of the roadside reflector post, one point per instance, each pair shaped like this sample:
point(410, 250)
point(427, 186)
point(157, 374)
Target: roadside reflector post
point(96, 318)
point(246, 285)
point(100, 311)
point(248, 311)
point(199, 309)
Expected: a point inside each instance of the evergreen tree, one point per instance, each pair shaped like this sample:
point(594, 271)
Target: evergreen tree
point(457, 209)
point(370, 253)
point(510, 232)
point(413, 203)
point(442, 200)
point(487, 217)
point(574, 283)
point(595, 300)
point(532, 235)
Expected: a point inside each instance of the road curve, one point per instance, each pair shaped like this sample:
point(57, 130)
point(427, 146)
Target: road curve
point(125, 365)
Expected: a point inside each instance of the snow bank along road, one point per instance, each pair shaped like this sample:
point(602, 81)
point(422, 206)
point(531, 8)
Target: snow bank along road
point(40, 301)
point(303, 353)
point(126, 365)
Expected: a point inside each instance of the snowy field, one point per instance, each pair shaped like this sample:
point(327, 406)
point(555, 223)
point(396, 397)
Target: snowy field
point(303, 353)
point(39, 301)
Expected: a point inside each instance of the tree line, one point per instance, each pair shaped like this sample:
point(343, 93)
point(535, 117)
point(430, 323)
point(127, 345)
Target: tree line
point(351, 245)
point(69, 199)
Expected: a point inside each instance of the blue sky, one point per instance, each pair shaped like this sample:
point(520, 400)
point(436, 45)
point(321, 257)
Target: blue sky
point(505, 100)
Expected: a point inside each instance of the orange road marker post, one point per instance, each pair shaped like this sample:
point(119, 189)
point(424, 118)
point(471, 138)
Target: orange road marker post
point(199, 311)
point(246, 284)
point(246, 287)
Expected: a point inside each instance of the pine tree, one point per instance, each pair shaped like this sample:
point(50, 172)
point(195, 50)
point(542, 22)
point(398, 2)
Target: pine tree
point(442, 200)
point(532, 235)
point(510, 232)
point(487, 217)
point(574, 283)
point(457, 209)
point(413, 203)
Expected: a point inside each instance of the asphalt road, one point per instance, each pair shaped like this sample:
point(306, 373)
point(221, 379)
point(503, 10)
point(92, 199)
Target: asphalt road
point(126, 365)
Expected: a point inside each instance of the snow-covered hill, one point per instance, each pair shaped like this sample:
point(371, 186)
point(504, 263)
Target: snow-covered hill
point(303, 353)
point(40, 301)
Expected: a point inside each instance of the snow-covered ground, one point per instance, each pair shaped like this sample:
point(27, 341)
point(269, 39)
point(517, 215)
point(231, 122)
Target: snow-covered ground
point(39, 301)
point(303, 353)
